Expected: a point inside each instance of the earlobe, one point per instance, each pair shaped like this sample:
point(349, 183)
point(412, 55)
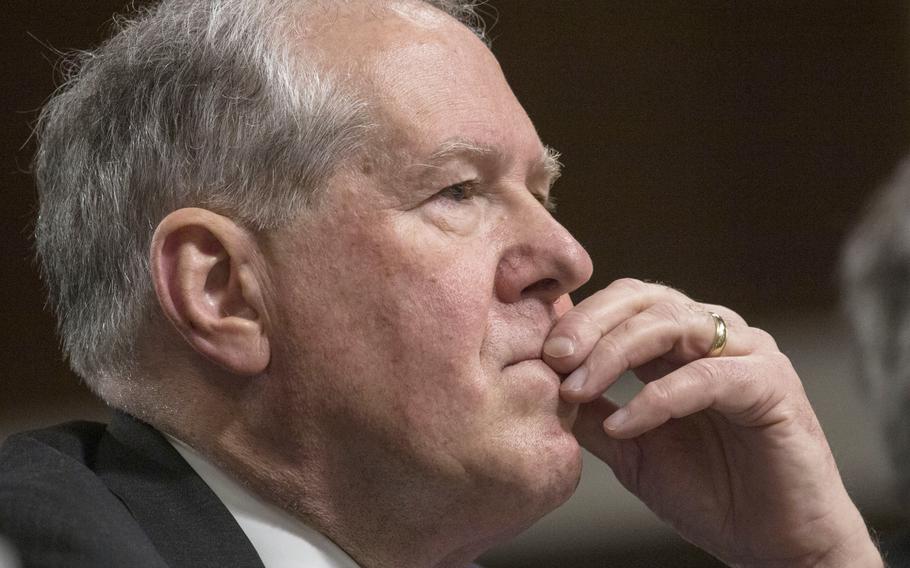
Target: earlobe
point(204, 269)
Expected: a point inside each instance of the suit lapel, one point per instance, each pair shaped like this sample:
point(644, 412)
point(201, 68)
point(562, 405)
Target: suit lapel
point(183, 518)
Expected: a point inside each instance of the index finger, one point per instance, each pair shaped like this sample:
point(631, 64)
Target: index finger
point(580, 328)
point(562, 305)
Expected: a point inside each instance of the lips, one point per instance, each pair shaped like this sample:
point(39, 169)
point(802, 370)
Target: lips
point(526, 342)
point(529, 352)
point(525, 360)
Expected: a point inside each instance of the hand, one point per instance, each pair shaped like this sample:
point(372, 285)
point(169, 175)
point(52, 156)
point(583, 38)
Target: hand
point(726, 449)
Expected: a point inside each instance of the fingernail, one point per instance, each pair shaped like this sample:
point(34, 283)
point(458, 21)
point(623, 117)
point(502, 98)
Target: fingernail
point(559, 347)
point(617, 419)
point(575, 380)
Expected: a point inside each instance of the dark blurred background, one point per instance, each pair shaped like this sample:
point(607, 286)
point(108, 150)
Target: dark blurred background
point(722, 147)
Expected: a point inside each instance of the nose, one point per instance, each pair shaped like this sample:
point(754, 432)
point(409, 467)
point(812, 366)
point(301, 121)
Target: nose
point(543, 260)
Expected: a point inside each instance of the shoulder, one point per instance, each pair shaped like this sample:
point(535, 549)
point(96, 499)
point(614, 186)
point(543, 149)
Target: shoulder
point(62, 445)
point(49, 493)
point(52, 462)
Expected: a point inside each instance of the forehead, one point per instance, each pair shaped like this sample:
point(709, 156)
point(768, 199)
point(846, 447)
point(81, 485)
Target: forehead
point(427, 78)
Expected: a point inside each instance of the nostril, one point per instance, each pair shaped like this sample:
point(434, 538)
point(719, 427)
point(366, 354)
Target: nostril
point(542, 286)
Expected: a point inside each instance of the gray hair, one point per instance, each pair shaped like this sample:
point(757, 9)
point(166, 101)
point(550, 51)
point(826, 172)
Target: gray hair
point(190, 103)
point(875, 274)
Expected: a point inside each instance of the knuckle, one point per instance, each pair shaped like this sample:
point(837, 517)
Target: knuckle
point(761, 389)
point(628, 327)
point(658, 395)
point(676, 293)
point(666, 290)
point(610, 353)
point(730, 316)
point(764, 338)
point(781, 362)
point(577, 325)
point(668, 311)
point(574, 318)
point(708, 371)
point(628, 285)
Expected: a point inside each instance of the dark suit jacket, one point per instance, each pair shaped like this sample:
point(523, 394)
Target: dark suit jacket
point(87, 495)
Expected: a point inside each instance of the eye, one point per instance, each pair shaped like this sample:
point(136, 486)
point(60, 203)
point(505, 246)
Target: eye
point(458, 192)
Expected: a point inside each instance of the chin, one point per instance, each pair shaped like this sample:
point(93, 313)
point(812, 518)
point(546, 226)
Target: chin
point(536, 492)
point(561, 472)
point(520, 477)
point(544, 474)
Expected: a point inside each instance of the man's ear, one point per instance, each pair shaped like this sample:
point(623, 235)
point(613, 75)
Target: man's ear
point(207, 272)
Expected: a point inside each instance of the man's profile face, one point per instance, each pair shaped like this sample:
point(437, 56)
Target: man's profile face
point(413, 301)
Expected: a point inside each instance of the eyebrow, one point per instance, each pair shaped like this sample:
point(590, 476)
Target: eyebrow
point(551, 164)
point(456, 147)
point(460, 147)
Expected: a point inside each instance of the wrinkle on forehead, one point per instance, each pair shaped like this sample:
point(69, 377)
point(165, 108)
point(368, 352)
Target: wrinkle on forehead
point(444, 74)
point(425, 78)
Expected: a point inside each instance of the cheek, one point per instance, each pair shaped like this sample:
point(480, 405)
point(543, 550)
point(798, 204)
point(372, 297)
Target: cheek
point(436, 306)
point(396, 306)
point(431, 318)
point(441, 273)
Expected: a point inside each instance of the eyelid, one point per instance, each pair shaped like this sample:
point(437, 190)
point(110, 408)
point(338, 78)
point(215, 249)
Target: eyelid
point(469, 186)
point(471, 189)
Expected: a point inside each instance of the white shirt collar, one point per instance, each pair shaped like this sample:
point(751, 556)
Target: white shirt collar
point(281, 540)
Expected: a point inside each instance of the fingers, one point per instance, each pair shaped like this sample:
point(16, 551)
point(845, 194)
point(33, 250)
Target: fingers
point(579, 330)
point(664, 336)
point(743, 389)
point(660, 338)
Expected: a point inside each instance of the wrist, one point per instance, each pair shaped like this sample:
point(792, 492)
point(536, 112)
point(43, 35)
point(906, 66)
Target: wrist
point(851, 547)
point(859, 551)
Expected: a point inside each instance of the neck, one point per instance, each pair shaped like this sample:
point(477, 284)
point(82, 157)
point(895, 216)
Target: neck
point(363, 494)
point(379, 517)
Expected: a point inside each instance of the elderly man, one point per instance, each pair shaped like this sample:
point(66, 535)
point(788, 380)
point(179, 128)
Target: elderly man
point(304, 249)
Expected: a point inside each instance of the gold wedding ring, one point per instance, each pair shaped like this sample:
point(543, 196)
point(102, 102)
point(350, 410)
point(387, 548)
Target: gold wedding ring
point(720, 336)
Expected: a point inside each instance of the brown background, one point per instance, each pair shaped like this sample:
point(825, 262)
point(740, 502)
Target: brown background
point(722, 147)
